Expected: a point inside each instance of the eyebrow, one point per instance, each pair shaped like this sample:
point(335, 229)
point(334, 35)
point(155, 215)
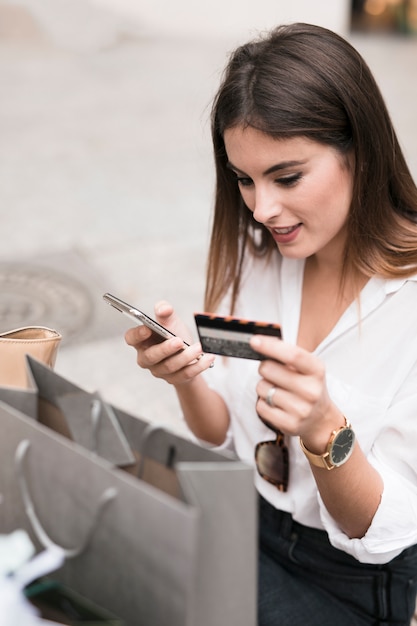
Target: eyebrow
point(270, 170)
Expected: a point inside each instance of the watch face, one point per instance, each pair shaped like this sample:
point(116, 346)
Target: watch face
point(342, 446)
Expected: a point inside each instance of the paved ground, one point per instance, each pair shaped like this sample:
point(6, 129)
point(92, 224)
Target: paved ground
point(106, 181)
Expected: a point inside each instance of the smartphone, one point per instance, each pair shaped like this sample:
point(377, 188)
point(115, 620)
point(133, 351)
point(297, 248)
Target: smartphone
point(139, 317)
point(230, 336)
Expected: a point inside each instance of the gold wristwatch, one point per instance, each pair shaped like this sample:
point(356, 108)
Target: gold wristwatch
point(338, 450)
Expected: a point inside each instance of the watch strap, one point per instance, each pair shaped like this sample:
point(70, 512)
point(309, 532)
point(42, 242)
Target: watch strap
point(323, 460)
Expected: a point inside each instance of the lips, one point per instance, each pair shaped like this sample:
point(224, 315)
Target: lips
point(286, 234)
point(285, 231)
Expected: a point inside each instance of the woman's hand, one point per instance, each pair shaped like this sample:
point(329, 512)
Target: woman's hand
point(171, 359)
point(204, 410)
point(299, 403)
point(301, 406)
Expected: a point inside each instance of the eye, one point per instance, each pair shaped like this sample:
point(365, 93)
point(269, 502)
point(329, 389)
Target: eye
point(289, 181)
point(244, 181)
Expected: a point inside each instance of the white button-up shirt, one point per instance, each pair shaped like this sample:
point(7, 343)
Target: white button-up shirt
point(371, 366)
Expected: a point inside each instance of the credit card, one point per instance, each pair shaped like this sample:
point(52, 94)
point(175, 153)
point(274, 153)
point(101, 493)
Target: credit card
point(230, 336)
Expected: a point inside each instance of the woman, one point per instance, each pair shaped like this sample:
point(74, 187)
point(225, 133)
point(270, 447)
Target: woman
point(315, 228)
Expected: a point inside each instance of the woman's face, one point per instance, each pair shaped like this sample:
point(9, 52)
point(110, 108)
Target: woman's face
point(300, 190)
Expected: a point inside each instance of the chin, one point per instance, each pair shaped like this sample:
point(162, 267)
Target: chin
point(292, 253)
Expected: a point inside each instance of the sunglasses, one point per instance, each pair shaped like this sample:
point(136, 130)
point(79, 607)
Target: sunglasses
point(272, 460)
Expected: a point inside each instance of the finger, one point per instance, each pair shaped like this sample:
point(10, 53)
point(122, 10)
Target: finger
point(191, 355)
point(292, 356)
point(179, 369)
point(166, 316)
point(277, 398)
point(266, 390)
point(297, 392)
point(294, 406)
point(155, 353)
point(191, 370)
point(274, 417)
point(163, 309)
point(137, 335)
point(284, 411)
point(307, 386)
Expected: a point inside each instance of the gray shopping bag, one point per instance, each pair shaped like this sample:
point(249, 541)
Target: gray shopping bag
point(161, 460)
point(141, 553)
point(77, 414)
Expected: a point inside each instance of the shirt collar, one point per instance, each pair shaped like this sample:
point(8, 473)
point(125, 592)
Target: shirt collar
point(394, 284)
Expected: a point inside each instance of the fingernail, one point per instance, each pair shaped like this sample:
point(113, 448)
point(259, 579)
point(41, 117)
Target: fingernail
point(200, 356)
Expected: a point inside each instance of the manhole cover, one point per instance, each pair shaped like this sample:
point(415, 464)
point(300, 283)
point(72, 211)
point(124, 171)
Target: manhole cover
point(39, 296)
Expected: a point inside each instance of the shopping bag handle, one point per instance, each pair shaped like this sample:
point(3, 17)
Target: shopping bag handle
point(106, 497)
point(147, 433)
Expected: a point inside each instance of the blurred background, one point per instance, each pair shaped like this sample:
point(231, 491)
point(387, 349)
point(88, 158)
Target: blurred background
point(106, 173)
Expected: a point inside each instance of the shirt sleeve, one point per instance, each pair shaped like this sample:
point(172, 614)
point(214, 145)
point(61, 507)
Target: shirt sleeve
point(216, 378)
point(394, 456)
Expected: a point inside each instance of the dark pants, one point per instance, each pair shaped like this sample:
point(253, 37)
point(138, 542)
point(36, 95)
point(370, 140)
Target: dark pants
point(304, 581)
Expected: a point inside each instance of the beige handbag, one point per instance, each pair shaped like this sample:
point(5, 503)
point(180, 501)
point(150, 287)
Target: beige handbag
point(40, 342)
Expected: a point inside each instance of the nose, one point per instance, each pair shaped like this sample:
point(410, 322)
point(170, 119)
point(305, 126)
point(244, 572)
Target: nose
point(267, 206)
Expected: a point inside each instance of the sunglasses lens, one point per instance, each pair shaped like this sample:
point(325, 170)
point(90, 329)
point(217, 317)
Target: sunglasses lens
point(272, 463)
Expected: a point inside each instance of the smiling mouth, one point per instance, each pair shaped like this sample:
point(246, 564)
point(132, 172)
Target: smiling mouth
point(285, 231)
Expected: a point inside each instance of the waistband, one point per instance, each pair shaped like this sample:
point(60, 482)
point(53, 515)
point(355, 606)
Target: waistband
point(285, 525)
point(282, 523)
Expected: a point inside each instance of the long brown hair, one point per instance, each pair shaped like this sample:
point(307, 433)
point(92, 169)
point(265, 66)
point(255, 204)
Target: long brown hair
point(304, 80)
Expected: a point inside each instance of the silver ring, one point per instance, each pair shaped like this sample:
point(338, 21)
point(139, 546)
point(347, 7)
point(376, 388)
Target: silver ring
point(269, 397)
